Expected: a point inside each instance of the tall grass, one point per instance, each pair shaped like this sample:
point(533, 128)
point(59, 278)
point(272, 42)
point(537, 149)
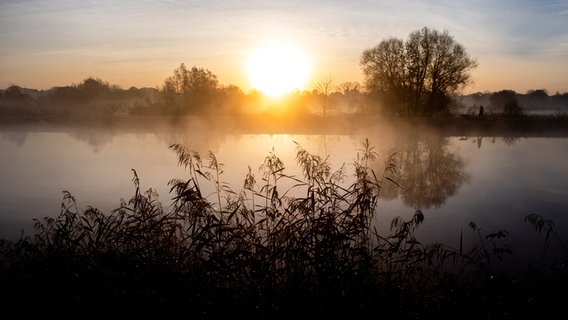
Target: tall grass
point(312, 249)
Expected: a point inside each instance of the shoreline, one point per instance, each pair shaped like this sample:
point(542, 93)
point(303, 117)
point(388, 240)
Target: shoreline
point(459, 125)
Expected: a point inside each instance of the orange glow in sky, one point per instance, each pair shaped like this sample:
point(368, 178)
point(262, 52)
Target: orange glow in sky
point(520, 45)
point(278, 70)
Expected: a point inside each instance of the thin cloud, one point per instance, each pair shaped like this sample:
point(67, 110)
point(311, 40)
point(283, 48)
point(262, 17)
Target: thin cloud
point(334, 31)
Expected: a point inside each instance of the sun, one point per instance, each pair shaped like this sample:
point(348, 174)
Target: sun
point(278, 70)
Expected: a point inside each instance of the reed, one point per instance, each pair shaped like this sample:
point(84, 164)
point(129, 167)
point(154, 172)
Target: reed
point(260, 252)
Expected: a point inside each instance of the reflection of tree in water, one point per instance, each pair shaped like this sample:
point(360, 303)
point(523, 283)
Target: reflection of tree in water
point(95, 138)
point(508, 140)
point(199, 136)
point(428, 171)
point(16, 138)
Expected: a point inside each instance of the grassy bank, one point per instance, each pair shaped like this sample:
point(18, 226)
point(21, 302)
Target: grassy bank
point(260, 253)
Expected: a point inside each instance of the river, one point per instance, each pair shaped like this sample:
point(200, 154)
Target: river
point(493, 181)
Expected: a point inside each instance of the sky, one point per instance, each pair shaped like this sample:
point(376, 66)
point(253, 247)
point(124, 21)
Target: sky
point(519, 45)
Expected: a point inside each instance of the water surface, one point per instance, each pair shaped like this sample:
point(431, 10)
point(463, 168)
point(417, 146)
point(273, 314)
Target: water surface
point(492, 181)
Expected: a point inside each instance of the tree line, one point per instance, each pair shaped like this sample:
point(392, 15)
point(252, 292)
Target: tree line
point(420, 76)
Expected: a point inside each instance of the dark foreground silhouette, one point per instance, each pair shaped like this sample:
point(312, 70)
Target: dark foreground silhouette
point(257, 253)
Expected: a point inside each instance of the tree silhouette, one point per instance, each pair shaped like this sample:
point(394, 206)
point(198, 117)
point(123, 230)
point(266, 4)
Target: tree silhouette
point(190, 90)
point(417, 76)
point(323, 89)
point(507, 103)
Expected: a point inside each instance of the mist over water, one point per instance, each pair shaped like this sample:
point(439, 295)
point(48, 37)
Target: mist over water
point(454, 179)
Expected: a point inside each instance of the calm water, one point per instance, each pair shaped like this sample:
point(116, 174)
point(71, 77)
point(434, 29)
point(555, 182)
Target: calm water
point(492, 181)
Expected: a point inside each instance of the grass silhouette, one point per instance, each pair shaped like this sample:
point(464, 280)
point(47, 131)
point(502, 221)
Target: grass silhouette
point(262, 253)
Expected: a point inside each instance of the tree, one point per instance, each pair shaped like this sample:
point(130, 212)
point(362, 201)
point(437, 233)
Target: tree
point(419, 75)
point(323, 89)
point(535, 99)
point(384, 67)
point(15, 101)
point(507, 102)
point(352, 93)
point(190, 90)
point(233, 99)
point(91, 88)
point(15, 93)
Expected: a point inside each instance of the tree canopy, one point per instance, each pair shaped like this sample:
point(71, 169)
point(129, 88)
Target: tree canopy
point(417, 76)
point(507, 103)
point(190, 89)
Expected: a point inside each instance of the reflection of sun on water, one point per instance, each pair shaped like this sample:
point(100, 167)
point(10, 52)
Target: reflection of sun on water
point(278, 70)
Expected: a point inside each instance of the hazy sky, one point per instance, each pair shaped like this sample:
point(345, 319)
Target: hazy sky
point(519, 44)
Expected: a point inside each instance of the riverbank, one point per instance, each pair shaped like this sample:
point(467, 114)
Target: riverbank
point(528, 126)
point(459, 125)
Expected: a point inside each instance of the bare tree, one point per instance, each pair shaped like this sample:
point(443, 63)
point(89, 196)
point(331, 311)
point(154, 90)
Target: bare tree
point(384, 67)
point(417, 76)
point(323, 89)
point(348, 86)
point(352, 92)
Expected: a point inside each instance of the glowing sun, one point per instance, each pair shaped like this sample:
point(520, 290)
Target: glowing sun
point(278, 70)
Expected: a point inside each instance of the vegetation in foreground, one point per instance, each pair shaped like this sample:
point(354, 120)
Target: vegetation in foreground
point(263, 253)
